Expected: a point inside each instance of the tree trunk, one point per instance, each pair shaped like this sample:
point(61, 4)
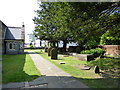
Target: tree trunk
point(64, 46)
point(48, 44)
point(53, 44)
point(40, 43)
point(57, 44)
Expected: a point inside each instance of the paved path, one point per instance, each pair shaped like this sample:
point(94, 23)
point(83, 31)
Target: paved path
point(52, 76)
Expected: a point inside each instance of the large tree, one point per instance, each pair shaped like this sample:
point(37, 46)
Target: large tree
point(84, 23)
point(52, 22)
point(90, 21)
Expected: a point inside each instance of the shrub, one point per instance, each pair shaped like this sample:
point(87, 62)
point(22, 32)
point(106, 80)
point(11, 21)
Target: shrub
point(96, 52)
point(105, 63)
point(78, 50)
point(31, 46)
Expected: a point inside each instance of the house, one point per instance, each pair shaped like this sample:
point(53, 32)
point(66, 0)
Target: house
point(12, 39)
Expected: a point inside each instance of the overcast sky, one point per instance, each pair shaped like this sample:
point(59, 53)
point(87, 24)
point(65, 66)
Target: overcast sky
point(14, 12)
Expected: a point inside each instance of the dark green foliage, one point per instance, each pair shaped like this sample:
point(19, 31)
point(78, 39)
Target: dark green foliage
point(78, 50)
point(49, 51)
point(96, 52)
point(112, 35)
point(52, 22)
point(79, 22)
point(105, 63)
point(31, 46)
point(91, 19)
point(54, 53)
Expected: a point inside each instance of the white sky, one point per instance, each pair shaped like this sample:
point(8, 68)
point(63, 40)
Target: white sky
point(14, 12)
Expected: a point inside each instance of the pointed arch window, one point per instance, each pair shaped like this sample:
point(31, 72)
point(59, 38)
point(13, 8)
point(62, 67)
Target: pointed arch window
point(12, 46)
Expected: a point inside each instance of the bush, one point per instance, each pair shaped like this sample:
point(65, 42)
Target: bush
point(96, 52)
point(105, 63)
point(78, 50)
point(31, 46)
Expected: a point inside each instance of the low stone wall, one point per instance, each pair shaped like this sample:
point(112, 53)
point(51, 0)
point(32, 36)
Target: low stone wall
point(111, 49)
point(60, 49)
point(72, 48)
point(84, 57)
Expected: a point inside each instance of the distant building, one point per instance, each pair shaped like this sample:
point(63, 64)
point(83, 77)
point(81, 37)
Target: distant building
point(35, 42)
point(12, 39)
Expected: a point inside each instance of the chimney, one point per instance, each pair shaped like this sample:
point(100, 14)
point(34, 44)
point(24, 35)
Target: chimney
point(23, 31)
point(23, 24)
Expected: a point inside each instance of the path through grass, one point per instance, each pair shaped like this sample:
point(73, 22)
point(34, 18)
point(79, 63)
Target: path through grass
point(88, 77)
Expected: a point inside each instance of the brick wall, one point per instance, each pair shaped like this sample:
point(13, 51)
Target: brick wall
point(111, 49)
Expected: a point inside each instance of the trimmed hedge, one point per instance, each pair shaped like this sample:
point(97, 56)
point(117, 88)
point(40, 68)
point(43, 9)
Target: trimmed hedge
point(96, 52)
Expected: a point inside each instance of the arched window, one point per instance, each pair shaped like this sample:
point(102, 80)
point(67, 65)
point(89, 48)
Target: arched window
point(10, 46)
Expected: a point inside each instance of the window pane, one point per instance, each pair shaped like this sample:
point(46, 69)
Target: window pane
point(10, 45)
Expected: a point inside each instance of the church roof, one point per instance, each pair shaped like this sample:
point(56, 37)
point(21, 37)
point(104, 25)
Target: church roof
point(13, 33)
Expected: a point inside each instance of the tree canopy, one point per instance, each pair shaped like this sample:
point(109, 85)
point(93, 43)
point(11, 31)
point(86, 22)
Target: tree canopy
point(87, 23)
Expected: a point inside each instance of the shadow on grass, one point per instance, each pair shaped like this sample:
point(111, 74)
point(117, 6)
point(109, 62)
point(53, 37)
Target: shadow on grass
point(34, 53)
point(101, 82)
point(13, 69)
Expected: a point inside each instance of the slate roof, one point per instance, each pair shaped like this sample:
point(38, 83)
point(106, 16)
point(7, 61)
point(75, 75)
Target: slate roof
point(13, 33)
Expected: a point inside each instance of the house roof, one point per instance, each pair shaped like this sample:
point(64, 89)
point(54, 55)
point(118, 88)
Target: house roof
point(2, 23)
point(13, 33)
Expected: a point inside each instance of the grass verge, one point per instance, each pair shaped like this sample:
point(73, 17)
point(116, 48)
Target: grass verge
point(18, 68)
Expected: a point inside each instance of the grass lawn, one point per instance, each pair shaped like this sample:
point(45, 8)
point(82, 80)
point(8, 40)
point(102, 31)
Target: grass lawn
point(18, 68)
point(35, 50)
point(88, 77)
point(0, 71)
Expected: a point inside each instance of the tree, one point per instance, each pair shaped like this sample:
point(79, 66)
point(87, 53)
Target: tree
point(45, 27)
point(112, 35)
point(91, 22)
point(84, 23)
point(52, 22)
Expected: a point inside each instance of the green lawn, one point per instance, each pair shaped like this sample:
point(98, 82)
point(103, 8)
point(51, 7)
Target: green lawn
point(0, 71)
point(35, 50)
point(18, 68)
point(88, 77)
